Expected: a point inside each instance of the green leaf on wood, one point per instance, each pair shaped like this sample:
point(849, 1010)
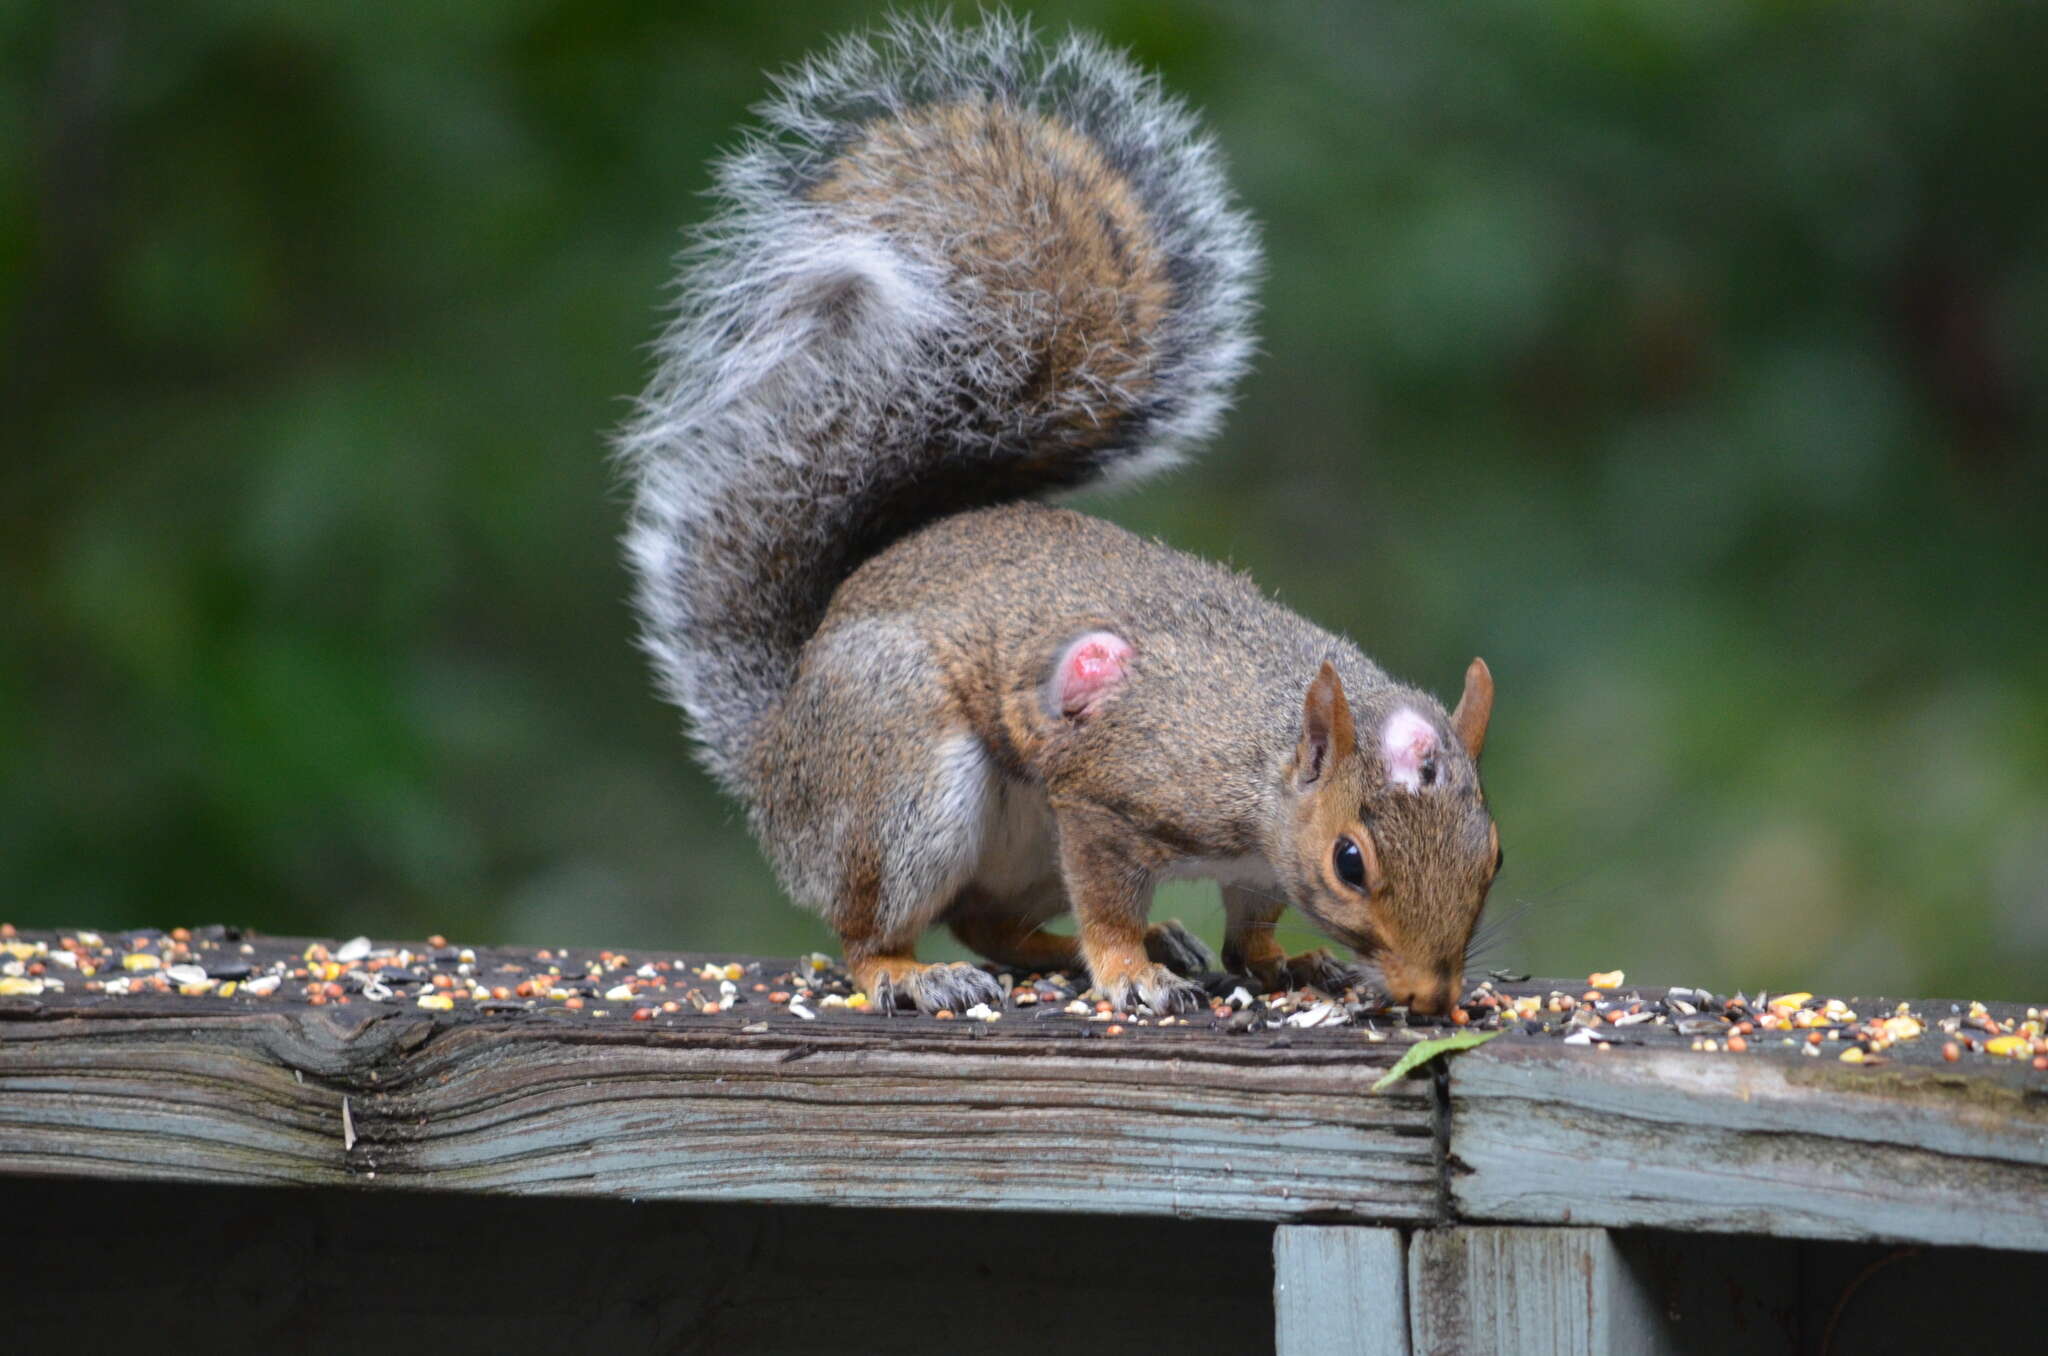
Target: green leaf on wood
point(1422, 1054)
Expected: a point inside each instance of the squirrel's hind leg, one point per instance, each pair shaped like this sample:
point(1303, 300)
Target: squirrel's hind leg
point(1011, 931)
point(874, 800)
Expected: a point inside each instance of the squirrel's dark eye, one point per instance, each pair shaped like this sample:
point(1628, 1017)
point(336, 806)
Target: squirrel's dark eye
point(1350, 864)
point(1500, 859)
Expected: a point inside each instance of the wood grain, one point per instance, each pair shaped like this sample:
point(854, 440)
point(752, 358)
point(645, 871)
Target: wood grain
point(538, 1076)
point(1174, 1128)
point(1787, 1147)
point(1339, 1290)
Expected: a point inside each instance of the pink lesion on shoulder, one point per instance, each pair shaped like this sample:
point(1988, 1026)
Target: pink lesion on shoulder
point(1089, 670)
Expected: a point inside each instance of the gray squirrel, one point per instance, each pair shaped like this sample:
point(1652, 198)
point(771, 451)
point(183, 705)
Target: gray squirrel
point(959, 271)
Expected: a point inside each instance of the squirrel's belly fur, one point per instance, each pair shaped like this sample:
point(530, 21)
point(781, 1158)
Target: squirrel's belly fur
point(954, 272)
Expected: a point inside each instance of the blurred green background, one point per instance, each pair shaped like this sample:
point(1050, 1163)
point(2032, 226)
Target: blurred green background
point(1687, 361)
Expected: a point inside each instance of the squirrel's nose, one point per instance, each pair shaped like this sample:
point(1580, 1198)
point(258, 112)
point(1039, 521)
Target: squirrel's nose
point(1434, 1001)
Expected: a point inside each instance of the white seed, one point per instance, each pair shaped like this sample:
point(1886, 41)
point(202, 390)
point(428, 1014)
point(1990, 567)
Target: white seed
point(1322, 1014)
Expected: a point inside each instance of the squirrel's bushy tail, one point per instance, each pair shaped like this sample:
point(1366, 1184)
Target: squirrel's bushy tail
point(956, 268)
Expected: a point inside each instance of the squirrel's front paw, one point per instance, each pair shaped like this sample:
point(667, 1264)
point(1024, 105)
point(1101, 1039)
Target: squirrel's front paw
point(1157, 988)
point(1318, 969)
point(1179, 950)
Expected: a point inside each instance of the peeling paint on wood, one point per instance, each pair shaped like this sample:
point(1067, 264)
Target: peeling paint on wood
point(1339, 1290)
point(1665, 1140)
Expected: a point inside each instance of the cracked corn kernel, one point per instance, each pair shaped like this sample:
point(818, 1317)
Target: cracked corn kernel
point(1606, 979)
point(2006, 1045)
point(440, 1002)
point(139, 960)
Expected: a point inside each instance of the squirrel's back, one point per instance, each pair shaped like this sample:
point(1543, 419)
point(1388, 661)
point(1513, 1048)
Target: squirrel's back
point(955, 269)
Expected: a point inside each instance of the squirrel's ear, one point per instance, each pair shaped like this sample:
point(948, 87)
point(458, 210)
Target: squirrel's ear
point(1327, 734)
point(1475, 708)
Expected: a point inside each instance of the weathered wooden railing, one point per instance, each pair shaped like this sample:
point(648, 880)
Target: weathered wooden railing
point(1051, 1179)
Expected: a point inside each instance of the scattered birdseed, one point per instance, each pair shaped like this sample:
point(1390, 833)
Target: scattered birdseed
point(212, 966)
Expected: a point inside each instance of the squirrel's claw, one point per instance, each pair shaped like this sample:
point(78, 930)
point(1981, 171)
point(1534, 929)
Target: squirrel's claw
point(1158, 988)
point(1318, 969)
point(954, 987)
point(1172, 945)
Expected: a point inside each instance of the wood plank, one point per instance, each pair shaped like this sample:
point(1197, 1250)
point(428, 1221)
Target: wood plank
point(1339, 1290)
point(1791, 1147)
point(1495, 1289)
point(222, 1055)
point(864, 1115)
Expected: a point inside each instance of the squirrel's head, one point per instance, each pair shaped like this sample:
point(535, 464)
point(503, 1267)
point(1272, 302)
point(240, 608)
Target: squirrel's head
point(1392, 849)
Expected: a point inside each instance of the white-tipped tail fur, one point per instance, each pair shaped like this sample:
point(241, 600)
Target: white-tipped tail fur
point(955, 268)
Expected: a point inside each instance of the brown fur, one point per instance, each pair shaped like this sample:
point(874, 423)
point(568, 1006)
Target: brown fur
point(1045, 222)
point(1198, 754)
point(962, 271)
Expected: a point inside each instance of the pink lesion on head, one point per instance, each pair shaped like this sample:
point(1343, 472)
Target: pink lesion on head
point(1089, 670)
point(1409, 745)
